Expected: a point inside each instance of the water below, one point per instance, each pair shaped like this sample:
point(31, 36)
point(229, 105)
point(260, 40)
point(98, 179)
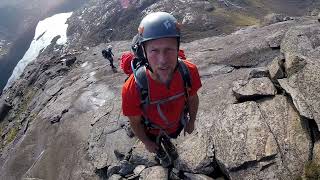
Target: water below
point(21, 44)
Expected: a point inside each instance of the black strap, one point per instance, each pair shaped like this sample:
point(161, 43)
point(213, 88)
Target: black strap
point(184, 71)
point(140, 76)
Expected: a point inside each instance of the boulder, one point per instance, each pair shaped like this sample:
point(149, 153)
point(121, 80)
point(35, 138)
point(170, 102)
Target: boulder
point(196, 176)
point(254, 88)
point(155, 172)
point(294, 63)
point(276, 68)
point(251, 140)
point(241, 140)
point(141, 156)
point(275, 39)
point(291, 132)
point(303, 86)
point(299, 99)
point(116, 177)
point(139, 169)
point(115, 141)
point(259, 73)
point(196, 154)
point(301, 39)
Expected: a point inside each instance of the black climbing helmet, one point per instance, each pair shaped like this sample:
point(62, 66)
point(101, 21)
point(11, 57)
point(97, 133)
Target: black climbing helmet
point(159, 25)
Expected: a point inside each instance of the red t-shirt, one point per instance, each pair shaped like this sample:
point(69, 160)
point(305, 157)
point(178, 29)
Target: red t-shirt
point(172, 109)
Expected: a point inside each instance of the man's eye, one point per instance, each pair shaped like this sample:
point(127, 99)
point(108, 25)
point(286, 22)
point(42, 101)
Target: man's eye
point(154, 50)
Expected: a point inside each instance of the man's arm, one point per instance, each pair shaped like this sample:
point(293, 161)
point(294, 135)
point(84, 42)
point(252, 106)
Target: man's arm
point(193, 110)
point(139, 131)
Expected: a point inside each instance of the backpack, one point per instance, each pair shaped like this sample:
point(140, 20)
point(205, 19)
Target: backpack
point(181, 54)
point(106, 53)
point(139, 68)
point(125, 62)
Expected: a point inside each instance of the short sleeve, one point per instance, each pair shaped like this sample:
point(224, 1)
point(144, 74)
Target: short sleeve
point(130, 98)
point(195, 78)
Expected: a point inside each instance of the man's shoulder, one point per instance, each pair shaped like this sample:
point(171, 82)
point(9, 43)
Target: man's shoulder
point(189, 64)
point(192, 67)
point(129, 86)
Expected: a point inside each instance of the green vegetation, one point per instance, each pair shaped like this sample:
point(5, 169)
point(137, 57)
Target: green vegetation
point(240, 19)
point(27, 98)
point(23, 107)
point(12, 134)
point(312, 170)
point(235, 17)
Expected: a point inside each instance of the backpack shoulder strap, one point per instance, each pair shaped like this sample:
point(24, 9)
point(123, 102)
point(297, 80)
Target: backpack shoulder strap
point(140, 76)
point(184, 71)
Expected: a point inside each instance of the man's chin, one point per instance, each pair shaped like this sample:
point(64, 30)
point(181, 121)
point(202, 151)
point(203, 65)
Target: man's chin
point(165, 80)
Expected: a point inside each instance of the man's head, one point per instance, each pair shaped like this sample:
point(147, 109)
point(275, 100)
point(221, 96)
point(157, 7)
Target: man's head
point(160, 36)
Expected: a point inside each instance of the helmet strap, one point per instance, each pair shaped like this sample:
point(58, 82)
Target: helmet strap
point(146, 58)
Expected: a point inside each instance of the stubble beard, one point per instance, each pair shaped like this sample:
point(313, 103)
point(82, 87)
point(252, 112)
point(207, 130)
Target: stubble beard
point(166, 81)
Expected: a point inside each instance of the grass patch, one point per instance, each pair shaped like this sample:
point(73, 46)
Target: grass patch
point(23, 107)
point(236, 17)
point(27, 98)
point(240, 19)
point(12, 134)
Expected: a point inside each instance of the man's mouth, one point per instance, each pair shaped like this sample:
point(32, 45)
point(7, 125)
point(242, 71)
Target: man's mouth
point(163, 68)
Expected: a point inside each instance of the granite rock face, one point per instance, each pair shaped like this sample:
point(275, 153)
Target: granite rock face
point(258, 115)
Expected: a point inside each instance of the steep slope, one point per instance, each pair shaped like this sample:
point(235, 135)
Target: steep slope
point(18, 20)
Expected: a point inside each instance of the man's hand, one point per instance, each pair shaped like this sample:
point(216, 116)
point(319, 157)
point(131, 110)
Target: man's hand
point(151, 146)
point(139, 131)
point(189, 127)
point(193, 109)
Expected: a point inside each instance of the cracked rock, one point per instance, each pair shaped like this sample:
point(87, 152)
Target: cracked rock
point(155, 172)
point(276, 68)
point(253, 88)
point(251, 140)
point(197, 176)
point(258, 73)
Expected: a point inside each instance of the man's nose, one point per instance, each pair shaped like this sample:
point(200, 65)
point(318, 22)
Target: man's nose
point(162, 57)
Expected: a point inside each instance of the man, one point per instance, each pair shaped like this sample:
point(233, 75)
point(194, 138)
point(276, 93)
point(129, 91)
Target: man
point(160, 39)
point(107, 53)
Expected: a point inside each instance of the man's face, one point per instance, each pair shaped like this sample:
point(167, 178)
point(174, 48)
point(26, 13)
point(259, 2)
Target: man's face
point(162, 56)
